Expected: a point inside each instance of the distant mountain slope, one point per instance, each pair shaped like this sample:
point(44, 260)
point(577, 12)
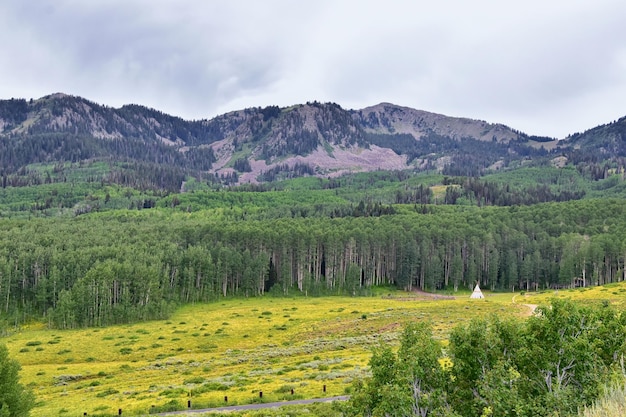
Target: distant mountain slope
point(147, 146)
point(391, 119)
point(262, 144)
point(608, 139)
point(69, 114)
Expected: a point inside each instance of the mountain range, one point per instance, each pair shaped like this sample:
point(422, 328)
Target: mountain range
point(263, 144)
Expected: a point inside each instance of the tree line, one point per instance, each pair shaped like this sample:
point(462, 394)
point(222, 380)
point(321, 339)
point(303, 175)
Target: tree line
point(123, 266)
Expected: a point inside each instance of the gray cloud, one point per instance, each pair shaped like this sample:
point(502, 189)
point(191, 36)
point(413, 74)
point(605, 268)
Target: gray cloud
point(548, 68)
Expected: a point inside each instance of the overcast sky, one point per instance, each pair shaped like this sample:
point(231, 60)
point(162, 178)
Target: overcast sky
point(548, 67)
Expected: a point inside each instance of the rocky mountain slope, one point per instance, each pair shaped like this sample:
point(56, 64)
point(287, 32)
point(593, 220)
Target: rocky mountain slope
point(391, 119)
point(260, 144)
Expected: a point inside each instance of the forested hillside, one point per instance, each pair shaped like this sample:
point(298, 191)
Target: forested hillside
point(126, 265)
point(251, 145)
point(257, 145)
point(117, 215)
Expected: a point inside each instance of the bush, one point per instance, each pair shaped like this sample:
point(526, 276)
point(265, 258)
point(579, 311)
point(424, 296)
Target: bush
point(194, 380)
point(284, 389)
point(107, 392)
point(551, 364)
point(173, 392)
point(172, 405)
point(215, 386)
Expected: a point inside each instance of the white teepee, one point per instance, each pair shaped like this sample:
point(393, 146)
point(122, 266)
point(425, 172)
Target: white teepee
point(477, 292)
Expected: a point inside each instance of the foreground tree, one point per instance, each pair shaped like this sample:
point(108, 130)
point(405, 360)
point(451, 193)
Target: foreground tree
point(409, 383)
point(484, 371)
point(549, 365)
point(15, 400)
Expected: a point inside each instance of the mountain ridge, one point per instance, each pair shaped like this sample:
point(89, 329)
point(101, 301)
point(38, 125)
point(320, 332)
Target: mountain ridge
point(260, 144)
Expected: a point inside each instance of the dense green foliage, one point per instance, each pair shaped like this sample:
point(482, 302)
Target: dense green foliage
point(549, 365)
point(605, 140)
point(111, 216)
point(96, 253)
point(283, 171)
point(134, 163)
point(409, 383)
point(99, 251)
point(15, 400)
point(125, 265)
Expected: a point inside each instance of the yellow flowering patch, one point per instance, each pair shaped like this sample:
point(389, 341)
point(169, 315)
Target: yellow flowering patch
point(235, 351)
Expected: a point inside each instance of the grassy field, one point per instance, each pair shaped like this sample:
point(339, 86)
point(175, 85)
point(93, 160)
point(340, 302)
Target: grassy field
point(613, 293)
point(237, 349)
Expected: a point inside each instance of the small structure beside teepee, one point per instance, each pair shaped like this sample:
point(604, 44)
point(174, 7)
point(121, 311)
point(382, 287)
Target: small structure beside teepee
point(477, 292)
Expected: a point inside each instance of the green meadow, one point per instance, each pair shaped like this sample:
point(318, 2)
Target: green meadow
point(614, 294)
point(235, 349)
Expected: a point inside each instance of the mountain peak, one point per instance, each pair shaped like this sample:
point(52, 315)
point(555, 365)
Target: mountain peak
point(56, 96)
point(257, 144)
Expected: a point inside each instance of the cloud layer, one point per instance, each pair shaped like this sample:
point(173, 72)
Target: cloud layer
point(547, 68)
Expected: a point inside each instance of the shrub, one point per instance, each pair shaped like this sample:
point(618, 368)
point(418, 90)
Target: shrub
point(194, 380)
point(173, 392)
point(172, 405)
point(284, 389)
point(215, 386)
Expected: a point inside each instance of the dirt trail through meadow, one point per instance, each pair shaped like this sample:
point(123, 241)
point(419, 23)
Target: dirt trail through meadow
point(531, 307)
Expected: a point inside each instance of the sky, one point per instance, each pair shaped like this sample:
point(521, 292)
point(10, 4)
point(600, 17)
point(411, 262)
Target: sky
point(545, 67)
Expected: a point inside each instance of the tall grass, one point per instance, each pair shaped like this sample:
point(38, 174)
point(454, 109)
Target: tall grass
point(611, 404)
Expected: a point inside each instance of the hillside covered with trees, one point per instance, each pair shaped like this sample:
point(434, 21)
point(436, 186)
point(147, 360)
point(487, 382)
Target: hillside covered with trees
point(123, 265)
point(117, 215)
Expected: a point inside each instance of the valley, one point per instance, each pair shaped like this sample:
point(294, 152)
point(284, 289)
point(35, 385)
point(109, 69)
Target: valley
point(234, 348)
point(148, 262)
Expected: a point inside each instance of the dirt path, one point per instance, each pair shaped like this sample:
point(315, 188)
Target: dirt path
point(258, 406)
point(531, 307)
